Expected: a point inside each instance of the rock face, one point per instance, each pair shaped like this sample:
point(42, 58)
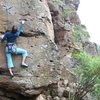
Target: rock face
point(90, 48)
point(47, 36)
point(35, 12)
point(44, 68)
point(44, 65)
point(2, 57)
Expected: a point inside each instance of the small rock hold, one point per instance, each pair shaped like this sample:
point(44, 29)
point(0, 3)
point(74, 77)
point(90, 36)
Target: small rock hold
point(56, 98)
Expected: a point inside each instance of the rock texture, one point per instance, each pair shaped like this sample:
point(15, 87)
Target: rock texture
point(90, 48)
point(44, 66)
point(48, 38)
point(35, 12)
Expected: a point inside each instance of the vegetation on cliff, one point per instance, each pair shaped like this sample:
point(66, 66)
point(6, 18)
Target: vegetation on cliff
point(88, 74)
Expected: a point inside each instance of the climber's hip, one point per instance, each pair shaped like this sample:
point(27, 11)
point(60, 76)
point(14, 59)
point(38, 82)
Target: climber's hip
point(11, 48)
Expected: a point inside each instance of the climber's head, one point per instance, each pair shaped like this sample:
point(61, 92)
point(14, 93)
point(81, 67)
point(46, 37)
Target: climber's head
point(14, 29)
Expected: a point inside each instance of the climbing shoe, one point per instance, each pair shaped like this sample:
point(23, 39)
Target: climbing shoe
point(12, 76)
point(24, 65)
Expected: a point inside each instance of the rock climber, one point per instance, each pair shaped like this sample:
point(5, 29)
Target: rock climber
point(11, 47)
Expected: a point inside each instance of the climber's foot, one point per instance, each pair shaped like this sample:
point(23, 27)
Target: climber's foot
point(12, 76)
point(24, 65)
point(11, 72)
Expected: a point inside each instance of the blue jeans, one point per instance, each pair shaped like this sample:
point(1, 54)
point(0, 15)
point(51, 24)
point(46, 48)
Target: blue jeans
point(15, 51)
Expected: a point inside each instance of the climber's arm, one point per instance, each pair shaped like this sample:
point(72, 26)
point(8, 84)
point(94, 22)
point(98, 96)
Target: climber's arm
point(20, 27)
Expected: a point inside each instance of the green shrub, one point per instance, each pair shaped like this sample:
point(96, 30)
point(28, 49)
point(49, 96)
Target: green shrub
point(57, 2)
point(67, 12)
point(88, 72)
point(79, 34)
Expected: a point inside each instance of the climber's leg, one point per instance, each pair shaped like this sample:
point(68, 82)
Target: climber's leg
point(9, 61)
point(24, 55)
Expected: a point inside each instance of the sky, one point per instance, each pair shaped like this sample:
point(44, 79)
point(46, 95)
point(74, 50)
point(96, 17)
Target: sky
point(89, 14)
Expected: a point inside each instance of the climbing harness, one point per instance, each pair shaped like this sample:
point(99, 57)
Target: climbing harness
point(10, 47)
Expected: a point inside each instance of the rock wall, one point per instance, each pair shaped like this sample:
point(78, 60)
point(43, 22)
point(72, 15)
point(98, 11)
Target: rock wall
point(38, 39)
point(35, 12)
point(90, 48)
point(47, 36)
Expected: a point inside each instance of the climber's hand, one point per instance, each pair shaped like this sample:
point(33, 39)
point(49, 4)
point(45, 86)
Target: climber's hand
point(23, 21)
point(1, 36)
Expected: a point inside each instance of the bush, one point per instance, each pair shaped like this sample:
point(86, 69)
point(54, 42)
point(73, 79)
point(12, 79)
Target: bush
point(57, 1)
point(88, 73)
point(79, 34)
